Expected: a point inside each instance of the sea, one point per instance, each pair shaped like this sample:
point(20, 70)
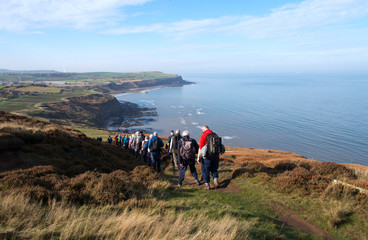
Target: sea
point(322, 117)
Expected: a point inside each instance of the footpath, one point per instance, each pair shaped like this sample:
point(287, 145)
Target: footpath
point(284, 214)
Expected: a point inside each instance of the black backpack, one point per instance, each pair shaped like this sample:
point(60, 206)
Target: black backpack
point(214, 145)
point(187, 150)
point(154, 145)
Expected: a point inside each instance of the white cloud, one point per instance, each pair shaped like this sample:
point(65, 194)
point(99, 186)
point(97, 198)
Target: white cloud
point(286, 20)
point(19, 15)
point(183, 27)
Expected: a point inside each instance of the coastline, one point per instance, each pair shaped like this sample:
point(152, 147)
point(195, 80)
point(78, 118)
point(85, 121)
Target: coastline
point(134, 115)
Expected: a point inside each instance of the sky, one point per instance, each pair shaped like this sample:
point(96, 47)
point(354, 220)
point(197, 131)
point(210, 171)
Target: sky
point(182, 37)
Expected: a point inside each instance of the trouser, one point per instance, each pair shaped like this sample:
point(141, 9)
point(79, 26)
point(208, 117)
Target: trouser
point(137, 152)
point(183, 169)
point(156, 161)
point(144, 156)
point(209, 165)
point(175, 158)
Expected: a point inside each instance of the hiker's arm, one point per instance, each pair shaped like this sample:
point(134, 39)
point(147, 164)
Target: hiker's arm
point(199, 155)
point(180, 160)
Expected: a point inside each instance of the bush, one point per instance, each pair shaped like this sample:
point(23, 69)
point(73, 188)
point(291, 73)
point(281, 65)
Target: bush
point(332, 170)
point(45, 182)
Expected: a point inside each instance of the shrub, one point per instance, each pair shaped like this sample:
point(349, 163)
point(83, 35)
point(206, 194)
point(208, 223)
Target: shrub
point(332, 170)
point(297, 179)
point(9, 142)
point(285, 166)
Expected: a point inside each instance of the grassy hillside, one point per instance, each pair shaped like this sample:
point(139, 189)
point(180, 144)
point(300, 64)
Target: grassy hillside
point(56, 183)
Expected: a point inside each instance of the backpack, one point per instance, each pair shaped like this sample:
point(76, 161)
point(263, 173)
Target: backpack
point(154, 145)
point(214, 145)
point(187, 150)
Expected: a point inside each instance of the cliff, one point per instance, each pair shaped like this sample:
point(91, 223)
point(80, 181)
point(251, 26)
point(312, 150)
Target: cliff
point(135, 85)
point(95, 110)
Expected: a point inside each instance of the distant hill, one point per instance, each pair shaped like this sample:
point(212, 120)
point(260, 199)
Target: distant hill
point(27, 71)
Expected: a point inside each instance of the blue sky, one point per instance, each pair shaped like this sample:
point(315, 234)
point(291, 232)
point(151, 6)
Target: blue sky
point(177, 36)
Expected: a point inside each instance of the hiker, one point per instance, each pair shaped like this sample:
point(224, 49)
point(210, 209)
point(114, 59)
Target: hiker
point(187, 149)
point(168, 147)
point(144, 151)
point(109, 139)
point(120, 140)
point(116, 138)
point(126, 142)
point(132, 144)
point(154, 145)
point(99, 139)
point(209, 151)
point(138, 144)
point(174, 148)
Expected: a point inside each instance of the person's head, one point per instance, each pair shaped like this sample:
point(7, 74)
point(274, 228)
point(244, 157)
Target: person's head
point(204, 128)
point(155, 134)
point(147, 137)
point(172, 132)
point(186, 133)
point(177, 131)
point(151, 135)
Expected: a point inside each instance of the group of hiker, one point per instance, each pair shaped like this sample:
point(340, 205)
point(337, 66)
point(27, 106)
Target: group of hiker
point(145, 148)
point(183, 150)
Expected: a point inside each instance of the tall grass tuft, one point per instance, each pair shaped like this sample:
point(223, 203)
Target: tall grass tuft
point(23, 219)
point(338, 211)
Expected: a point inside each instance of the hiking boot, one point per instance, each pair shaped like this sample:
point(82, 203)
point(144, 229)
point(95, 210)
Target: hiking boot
point(207, 186)
point(215, 182)
point(197, 182)
point(180, 185)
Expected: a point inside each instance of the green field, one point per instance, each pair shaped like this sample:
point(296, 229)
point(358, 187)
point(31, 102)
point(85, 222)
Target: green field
point(83, 77)
point(26, 102)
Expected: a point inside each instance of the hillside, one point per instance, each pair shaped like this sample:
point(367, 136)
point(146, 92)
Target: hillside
point(78, 98)
point(56, 183)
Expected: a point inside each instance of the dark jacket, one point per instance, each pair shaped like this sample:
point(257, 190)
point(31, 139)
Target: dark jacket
point(145, 146)
point(195, 149)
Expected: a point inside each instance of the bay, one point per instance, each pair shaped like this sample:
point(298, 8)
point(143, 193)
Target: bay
point(323, 117)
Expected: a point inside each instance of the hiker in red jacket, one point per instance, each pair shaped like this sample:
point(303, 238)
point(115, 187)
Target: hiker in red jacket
point(209, 163)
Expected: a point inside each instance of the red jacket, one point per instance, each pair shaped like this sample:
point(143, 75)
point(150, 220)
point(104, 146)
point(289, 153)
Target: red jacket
point(203, 140)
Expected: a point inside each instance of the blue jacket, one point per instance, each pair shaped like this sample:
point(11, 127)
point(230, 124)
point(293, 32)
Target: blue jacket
point(160, 143)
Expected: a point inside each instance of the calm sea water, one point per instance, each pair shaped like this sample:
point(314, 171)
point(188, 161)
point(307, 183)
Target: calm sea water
point(319, 117)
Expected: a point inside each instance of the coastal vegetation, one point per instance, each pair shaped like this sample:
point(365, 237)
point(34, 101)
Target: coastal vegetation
point(57, 183)
point(78, 99)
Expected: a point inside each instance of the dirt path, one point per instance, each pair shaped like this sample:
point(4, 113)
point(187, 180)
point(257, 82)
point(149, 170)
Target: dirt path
point(291, 218)
point(284, 214)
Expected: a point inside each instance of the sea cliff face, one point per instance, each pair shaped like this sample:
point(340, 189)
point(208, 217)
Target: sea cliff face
point(91, 110)
point(102, 110)
point(138, 85)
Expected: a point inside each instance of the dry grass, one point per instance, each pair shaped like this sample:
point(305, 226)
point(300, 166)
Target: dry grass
point(22, 219)
point(339, 211)
point(361, 173)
